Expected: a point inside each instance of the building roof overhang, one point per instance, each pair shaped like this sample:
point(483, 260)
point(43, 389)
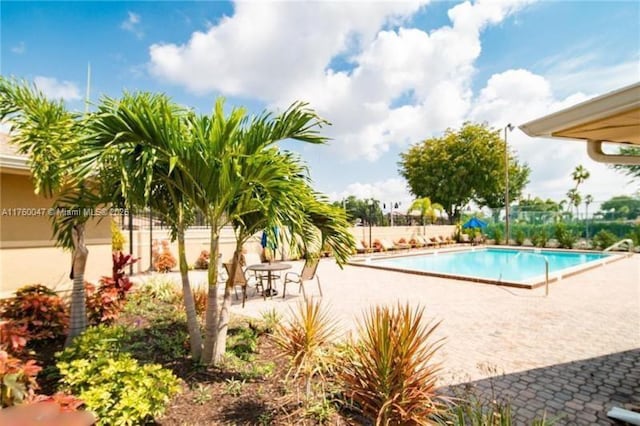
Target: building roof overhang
point(611, 118)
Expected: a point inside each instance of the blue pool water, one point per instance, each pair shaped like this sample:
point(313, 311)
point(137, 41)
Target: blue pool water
point(492, 264)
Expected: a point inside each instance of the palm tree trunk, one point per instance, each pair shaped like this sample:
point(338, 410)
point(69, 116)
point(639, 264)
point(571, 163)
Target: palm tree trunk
point(211, 315)
point(78, 320)
point(223, 320)
point(195, 339)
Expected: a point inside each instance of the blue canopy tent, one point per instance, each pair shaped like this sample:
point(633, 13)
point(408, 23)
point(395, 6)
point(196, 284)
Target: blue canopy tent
point(474, 222)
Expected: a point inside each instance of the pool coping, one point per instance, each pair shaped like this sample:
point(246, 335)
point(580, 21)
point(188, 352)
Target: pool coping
point(530, 284)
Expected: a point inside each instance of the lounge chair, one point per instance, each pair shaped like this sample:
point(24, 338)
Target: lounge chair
point(387, 245)
point(309, 271)
point(464, 238)
point(443, 241)
point(417, 242)
point(242, 281)
point(402, 244)
point(434, 241)
point(360, 248)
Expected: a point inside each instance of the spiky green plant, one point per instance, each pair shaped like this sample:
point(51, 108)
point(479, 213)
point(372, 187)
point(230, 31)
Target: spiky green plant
point(304, 339)
point(392, 377)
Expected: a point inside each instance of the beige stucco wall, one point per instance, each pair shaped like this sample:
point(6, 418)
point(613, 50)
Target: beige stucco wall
point(394, 233)
point(27, 249)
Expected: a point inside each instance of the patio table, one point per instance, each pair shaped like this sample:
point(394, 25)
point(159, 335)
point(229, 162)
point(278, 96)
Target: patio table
point(269, 268)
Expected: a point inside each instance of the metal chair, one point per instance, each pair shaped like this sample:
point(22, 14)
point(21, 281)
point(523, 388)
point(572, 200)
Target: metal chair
point(240, 280)
point(308, 273)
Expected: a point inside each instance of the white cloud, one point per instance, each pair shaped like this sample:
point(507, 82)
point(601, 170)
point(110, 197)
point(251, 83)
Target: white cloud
point(393, 190)
point(284, 51)
point(55, 89)
point(132, 24)
point(287, 49)
point(19, 48)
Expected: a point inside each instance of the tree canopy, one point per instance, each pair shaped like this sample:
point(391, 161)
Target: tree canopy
point(462, 166)
point(621, 207)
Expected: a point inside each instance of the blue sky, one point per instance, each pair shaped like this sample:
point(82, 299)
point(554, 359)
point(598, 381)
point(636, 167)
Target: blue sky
point(385, 74)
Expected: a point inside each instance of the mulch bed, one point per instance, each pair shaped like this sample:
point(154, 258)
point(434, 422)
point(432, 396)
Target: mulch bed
point(263, 401)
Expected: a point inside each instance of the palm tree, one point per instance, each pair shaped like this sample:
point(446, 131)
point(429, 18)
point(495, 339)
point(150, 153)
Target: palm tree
point(126, 134)
point(574, 198)
point(579, 175)
point(211, 161)
point(427, 209)
point(50, 136)
point(587, 200)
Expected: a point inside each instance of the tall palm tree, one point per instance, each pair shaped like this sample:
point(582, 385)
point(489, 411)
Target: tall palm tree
point(579, 175)
point(127, 134)
point(574, 198)
point(427, 209)
point(588, 199)
point(210, 160)
point(50, 136)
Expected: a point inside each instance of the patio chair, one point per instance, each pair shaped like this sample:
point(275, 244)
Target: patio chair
point(242, 281)
point(464, 238)
point(434, 242)
point(254, 259)
point(309, 271)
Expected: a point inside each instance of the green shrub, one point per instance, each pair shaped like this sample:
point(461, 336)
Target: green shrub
point(520, 237)
point(474, 412)
point(604, 239)
point(634, 234)
point(566, 238)
point(95, 342)
point(119, 390)
point(112, 384)
point(497, 235)
point(243, 343)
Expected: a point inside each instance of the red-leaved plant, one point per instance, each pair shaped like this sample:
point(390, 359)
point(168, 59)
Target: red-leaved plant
point(163, 260)
point(13, 336)
point(105, 301)
point(35, 312)
point(203, 260)
point(17, 379)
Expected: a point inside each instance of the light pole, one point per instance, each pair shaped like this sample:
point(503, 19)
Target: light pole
point(392, 205)
point(508, 127)
point(370, 212)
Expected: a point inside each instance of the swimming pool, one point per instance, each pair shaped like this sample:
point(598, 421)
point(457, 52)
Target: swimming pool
point(518, 267)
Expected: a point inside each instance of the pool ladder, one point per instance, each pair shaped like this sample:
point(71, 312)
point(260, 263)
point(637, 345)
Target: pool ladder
point(627, 241)
point(546, 272)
